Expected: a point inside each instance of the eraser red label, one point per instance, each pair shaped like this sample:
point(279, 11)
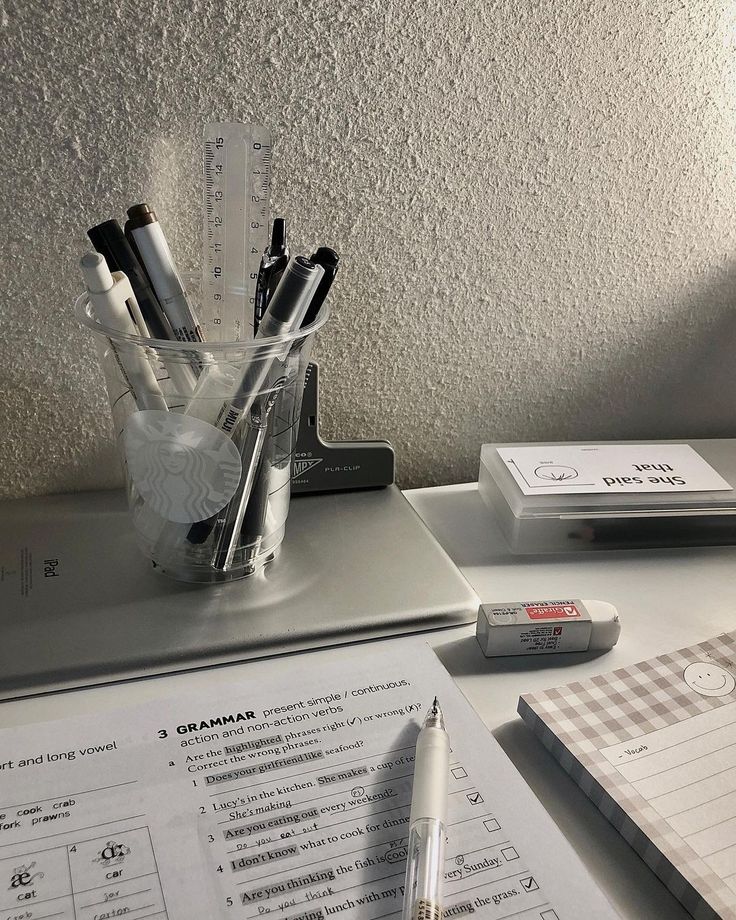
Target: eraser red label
point(552, 612)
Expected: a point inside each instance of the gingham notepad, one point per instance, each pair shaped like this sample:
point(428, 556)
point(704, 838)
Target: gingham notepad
point(654, 746)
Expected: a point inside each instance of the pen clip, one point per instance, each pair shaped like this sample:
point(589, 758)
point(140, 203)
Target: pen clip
point(124, 290)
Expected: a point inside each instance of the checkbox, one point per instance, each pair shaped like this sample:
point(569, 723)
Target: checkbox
point(492, 825)
point(475, 798)
point(528, 883)
point(459, 772)
point(509, 853)
point(549, 915)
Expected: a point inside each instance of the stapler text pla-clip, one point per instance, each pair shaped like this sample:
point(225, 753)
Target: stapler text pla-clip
point(335, 466)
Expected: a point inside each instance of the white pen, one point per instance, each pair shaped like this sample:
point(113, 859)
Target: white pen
point(425, 861)
point(110, 294)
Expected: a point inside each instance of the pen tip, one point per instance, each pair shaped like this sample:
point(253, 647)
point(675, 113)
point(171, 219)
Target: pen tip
point(434, 718)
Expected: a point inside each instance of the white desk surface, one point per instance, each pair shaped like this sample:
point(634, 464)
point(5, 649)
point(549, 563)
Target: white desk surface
point(666, 598)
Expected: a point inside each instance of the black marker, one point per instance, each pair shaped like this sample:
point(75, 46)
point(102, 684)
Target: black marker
point(109, 240)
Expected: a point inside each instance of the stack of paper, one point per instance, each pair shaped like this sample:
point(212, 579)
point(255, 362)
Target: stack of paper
point(654, 746)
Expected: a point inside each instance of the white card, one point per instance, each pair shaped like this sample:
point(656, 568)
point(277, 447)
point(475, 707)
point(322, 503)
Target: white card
point(542, 469)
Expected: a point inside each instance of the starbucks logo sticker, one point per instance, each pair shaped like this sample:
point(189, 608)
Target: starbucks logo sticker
point(185, 469)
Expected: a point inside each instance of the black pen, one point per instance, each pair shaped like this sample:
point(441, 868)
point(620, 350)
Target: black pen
point(274, 261)
point(329, 260)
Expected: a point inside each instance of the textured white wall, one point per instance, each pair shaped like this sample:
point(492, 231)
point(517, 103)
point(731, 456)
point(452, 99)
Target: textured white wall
point(534, 202)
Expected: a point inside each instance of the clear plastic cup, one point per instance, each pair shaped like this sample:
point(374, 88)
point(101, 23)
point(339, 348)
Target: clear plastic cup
point(206, 433)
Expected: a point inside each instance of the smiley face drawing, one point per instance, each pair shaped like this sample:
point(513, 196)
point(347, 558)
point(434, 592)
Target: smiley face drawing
point(709, 679)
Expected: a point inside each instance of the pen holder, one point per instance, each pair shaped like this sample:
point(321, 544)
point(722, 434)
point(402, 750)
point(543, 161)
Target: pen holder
point(206, 433)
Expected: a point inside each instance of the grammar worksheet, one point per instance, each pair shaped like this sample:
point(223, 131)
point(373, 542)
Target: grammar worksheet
point(286, 796)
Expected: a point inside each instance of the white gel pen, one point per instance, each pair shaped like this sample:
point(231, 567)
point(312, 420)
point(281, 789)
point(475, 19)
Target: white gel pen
point(425, 861)
point(109, 295)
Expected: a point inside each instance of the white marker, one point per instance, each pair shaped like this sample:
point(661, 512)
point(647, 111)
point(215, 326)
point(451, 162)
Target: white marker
point(425, 860)
point(110, 294)
point(145, 235)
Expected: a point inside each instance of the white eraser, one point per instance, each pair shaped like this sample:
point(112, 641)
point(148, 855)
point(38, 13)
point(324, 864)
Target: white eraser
point(539, 627)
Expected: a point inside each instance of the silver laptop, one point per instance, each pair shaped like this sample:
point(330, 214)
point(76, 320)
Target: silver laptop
point(79, 604)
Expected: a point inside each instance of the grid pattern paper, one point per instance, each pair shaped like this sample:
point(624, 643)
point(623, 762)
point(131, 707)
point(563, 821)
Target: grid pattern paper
point(654, 747)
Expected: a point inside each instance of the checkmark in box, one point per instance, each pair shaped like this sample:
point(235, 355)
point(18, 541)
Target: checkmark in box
point(528, 883)
point(475, 798)
point(509, 853)
point(459, 772)
point(492, 825)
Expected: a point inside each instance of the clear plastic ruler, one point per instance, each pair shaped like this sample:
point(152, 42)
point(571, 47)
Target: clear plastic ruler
point(237, 185)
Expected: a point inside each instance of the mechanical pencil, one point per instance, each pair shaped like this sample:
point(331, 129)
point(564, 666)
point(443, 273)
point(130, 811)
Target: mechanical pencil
point(425, 861)
point(262, 374)
point(283, 315)
point(261, 379)
point(231, 532)
point(254, 520)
